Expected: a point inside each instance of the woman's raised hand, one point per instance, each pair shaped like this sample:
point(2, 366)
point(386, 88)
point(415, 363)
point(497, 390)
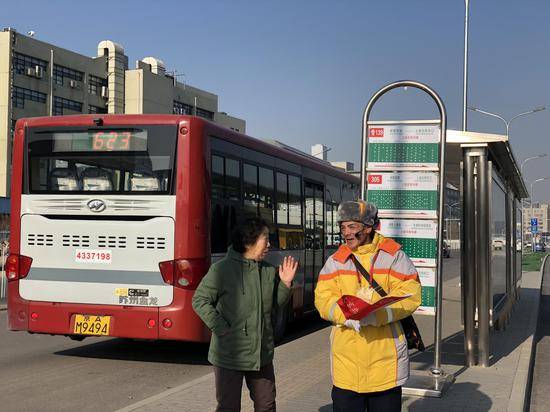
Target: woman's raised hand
point(287, 270)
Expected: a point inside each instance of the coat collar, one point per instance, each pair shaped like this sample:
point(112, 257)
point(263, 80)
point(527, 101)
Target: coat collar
point(387, 245)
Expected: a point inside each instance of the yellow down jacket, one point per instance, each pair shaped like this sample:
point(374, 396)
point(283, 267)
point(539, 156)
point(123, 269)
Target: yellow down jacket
point(375, 359)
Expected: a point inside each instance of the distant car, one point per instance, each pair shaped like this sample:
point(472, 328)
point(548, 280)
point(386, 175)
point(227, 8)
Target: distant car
point(539, 247)
point(498, 244)
point(446, 250)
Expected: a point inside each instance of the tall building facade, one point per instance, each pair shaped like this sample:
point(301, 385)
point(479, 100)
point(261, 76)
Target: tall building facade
point(41, 79)
point(540, 211)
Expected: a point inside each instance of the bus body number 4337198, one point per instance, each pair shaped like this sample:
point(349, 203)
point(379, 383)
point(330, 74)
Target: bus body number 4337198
point(93, 256)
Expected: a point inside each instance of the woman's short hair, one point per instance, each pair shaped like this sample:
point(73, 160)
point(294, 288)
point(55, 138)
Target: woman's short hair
point(247, 233)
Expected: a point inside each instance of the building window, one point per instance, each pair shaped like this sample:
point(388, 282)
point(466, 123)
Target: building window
point(182, 108)
point(60, 73)
point(95, 84)
point(59, 104)
point(19, 95)
point(21, 62)
point(205, 113)
point(96, 109)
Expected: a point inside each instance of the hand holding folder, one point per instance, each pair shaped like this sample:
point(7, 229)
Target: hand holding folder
point(356, 308)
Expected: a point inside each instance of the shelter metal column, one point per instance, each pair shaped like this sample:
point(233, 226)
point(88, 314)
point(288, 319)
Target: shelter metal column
point(483, 266)
point(468, 253)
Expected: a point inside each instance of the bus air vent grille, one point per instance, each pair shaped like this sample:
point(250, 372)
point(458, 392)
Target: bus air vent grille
point(35, 239)
point(112, 241)
point(76, 240)
point(144, 242)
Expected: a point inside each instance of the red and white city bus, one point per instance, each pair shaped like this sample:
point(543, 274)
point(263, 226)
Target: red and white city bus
point(116, 218)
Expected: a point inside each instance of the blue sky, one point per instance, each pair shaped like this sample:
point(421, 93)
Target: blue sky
point(302, 71)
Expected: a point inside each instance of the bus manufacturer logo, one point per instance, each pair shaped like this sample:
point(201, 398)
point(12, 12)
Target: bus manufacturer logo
point(96, 205)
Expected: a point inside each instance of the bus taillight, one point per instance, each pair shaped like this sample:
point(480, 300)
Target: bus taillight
point(167, 271)
point(183, 273)
point(17, 266)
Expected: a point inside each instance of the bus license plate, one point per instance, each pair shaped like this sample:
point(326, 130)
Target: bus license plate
point(91, 325)
point(93, 256)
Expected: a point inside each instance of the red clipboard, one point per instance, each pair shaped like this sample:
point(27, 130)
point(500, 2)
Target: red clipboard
point(356, 308)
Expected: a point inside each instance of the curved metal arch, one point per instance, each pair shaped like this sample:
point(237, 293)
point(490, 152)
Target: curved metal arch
point(436, 370)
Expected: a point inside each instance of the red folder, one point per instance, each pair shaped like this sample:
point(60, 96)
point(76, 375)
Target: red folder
point(356, 308)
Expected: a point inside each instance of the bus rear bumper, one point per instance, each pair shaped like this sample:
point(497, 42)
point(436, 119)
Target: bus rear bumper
point(177, 321)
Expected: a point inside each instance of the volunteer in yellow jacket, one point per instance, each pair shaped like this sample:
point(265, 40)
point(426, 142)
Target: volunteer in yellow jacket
point(369, 357)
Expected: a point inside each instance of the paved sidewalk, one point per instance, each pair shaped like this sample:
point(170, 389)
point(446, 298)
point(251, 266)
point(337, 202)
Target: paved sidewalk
point(303, 376)
point(540, 395)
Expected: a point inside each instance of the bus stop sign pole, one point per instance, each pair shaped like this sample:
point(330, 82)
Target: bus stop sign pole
point(434, 382)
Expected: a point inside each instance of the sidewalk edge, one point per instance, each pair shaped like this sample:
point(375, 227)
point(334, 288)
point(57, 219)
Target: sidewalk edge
point(166, 393)
point(524, 371)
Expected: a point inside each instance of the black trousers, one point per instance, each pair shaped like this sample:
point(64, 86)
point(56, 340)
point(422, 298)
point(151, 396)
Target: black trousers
point(261, 385)
point(350, 401)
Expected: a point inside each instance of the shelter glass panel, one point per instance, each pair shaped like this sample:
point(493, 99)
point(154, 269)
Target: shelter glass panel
point(499, 242)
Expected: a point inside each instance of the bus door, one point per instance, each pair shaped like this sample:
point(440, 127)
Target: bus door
point(314, 239)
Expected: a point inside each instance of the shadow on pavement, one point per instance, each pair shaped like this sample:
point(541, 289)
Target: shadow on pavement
point(173, 351)
point(143, 351)
point(452, 352)
point(477, 400)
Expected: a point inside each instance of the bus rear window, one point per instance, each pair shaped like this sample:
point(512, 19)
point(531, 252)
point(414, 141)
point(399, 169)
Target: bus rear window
point(115, 160)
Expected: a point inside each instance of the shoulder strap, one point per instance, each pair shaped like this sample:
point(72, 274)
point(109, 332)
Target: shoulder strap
point(368, 277)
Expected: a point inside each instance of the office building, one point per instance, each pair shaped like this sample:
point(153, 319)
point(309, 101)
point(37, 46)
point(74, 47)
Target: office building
point(41, 79)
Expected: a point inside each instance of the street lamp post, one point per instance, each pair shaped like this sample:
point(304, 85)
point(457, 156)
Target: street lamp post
point(465, 79)
point(531, 194)
point(507, 122)
point(530, 158)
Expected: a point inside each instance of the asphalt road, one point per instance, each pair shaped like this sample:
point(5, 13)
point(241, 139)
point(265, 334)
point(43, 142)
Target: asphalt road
point(53, 373)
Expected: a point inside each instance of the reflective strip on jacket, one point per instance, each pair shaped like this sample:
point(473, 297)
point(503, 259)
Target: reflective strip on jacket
point(376, 358)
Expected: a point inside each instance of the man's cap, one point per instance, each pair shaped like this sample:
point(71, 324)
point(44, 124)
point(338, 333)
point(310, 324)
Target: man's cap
point(358, 211)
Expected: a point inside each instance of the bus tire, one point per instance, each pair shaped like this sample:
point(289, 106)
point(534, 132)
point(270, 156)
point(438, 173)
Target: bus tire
point(78, 338)
point(280, 321)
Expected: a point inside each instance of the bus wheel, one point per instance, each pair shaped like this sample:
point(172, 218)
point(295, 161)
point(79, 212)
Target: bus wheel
point(78, 338)
point(279, 323)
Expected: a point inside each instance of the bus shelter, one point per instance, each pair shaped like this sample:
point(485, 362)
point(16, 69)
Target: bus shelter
point(483, 166)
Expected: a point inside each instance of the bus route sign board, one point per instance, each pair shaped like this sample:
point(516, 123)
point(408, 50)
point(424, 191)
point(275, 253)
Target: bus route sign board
point(427, 280)
point(418, 238)
point(404, 194)
point(403, 146)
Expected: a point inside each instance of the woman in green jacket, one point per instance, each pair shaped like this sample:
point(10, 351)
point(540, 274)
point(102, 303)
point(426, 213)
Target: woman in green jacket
point(235, 300)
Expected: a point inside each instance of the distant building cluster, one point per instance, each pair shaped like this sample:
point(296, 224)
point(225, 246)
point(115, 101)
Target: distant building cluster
point(540, 211)
point(41, 79)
